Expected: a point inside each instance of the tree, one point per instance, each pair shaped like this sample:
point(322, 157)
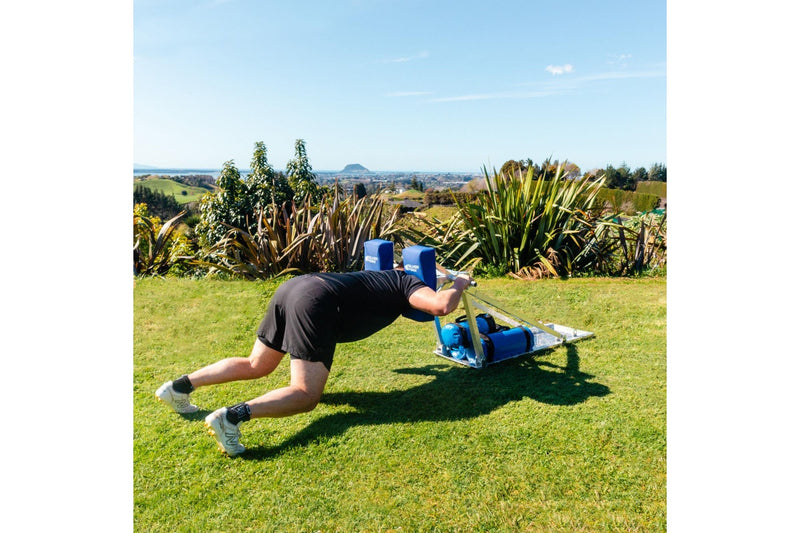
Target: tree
point(262, 182)
point(158, 203)
point(360, 190)
point(519, 168)
point(266, 185)
point(301, 179)
point(657, 172)
point(222, 207)
point(239, 201)
point(640, 174)
point(571, 170)
point(619, 178)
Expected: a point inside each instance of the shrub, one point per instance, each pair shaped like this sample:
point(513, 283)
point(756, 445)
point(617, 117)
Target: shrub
point(158, 203)
point(628, 202)
point(239, 200)
point(328, 237)
point(447, 197)
point(541, 225)
point(642, 243)
point(658, 188)
point(157, 248)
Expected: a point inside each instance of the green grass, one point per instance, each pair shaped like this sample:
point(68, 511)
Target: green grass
point(573, 439)
point(409, 194)
point(173, 188)
point(441, 212)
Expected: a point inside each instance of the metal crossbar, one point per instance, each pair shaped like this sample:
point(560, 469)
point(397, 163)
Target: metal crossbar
point(550, 334)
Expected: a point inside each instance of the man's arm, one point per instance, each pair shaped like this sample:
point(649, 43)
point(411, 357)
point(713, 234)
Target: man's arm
point(440, 303)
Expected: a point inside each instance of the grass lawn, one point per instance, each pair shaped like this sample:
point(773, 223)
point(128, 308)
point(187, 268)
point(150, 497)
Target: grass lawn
point(441, 212)
point(571, 439)
point(183, 193)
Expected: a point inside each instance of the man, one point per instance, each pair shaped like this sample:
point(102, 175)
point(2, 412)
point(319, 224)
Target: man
point(307, 316)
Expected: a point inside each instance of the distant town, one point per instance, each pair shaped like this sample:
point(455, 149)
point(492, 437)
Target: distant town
point(348, 177)
point(379, 180)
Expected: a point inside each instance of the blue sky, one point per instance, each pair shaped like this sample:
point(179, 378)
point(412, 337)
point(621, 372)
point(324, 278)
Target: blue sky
point(399, 85)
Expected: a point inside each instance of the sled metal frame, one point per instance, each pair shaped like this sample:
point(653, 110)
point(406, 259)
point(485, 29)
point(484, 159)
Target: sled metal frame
point(546, 335)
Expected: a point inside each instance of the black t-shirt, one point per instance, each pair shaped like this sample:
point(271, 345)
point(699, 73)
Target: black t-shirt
point(308, 315)
point(369, 300)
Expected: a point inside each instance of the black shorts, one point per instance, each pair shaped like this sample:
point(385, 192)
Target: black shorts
point(301, 320)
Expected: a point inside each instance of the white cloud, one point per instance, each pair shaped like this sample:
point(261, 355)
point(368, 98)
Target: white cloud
point(561, 85)
point(620, 60)
point(421, 55)
point(556, 87)
point(556, 70)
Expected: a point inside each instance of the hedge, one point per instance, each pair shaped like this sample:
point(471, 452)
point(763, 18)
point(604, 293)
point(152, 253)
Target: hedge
point(628, 202)
point(659, 188)
point(446, 197)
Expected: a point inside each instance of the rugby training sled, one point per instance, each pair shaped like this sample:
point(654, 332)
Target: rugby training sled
point(475, 340)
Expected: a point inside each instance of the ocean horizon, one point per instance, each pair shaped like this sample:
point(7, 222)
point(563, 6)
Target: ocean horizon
point(180, 171)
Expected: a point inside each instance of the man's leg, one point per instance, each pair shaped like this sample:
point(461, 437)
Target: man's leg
point(303, 393)
point(262, 361)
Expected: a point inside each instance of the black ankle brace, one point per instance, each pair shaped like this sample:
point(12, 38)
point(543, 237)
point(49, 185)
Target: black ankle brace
point(183, 385)
point(238, 413)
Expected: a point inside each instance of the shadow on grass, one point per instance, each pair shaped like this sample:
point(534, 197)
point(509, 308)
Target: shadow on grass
point(197, 416)
point(455, 393)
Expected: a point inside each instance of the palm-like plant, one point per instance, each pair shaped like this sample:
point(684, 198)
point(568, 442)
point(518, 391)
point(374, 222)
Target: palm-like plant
point(328, 237)
point(342, 227)
point(279, 245)
point(449, 238)
point(545, 223)
point(642, 242)
point(156, 248)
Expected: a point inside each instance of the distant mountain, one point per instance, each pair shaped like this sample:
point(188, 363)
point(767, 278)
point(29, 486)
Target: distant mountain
point(137, 166)
point(355, 167)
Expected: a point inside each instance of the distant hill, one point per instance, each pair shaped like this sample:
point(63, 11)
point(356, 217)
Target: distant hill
point(137, 166)
point(183, 193)
point(355, 167)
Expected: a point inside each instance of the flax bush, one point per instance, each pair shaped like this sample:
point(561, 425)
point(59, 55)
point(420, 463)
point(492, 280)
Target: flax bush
point(532, 226)
point(157, 248)
point(328, 237)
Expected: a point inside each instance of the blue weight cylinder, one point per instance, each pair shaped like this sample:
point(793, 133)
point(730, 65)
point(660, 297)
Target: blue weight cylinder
point(452, 336)
point(497, 346)
point(457, 340)
point(509, 343)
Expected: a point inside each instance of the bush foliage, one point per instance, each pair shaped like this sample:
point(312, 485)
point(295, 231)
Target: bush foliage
point(447, 197)
point(627, 202)
point(658, 188)
point(157, 248)
point(158, 203)
point(535, 225)
point(309, 238)
point(544, 222)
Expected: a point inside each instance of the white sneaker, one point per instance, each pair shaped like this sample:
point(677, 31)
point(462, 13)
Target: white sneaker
point(177, 400)
point(227, 434)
